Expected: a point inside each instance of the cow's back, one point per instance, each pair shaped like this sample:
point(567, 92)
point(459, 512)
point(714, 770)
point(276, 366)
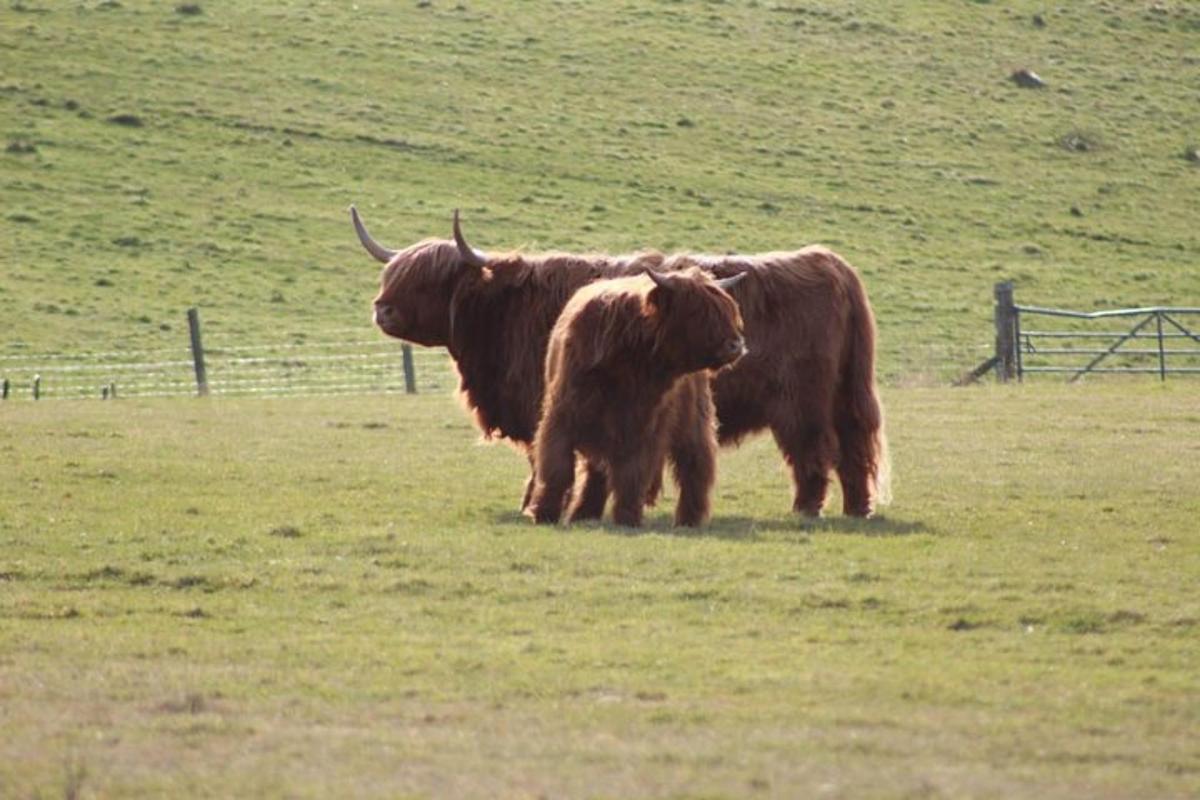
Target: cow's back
point(796, 306)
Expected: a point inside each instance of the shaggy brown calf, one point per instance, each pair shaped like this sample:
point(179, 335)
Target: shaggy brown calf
point(627, 386)
point(809, 377)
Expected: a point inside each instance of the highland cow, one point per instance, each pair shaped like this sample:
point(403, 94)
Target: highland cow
point(627, 386)
point(809, 376)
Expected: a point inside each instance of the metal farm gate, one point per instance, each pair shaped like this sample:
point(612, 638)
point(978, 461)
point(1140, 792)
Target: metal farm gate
point(1158, 340)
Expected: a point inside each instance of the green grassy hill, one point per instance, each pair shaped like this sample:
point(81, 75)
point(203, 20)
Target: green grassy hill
point(155, 159)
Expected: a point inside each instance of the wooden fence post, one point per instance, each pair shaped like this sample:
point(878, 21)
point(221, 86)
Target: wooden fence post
point(197, 352)
point(5, 390)
point(1006, 339)
point(410, 376)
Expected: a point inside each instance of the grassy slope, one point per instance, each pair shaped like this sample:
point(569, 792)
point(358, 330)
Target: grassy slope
point(280, 589)
point(891, 134)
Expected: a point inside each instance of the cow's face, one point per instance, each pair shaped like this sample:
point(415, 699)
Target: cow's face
point(701, 326)
point(417, 286)
point(415, 292)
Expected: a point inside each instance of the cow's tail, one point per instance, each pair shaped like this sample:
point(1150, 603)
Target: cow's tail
point(862, 425)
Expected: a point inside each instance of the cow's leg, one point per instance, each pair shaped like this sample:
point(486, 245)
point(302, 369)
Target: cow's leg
point(554, 473)
point(856, 490)
point(693, 450)
point(592, 495)
point(857, 465)
point(525, 500)
point(630, 479)
point(810, 448)
point(655, 487)
point(694, 461)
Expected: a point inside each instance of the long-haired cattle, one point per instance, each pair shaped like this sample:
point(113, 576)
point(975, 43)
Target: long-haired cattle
point(627, 386)
point(809, 376)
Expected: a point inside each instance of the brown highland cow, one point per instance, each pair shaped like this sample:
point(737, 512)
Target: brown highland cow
point(627, 385)
point(809, 376)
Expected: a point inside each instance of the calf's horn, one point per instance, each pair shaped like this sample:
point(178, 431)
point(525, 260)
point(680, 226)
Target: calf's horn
point(373, 247)
point(731, 281)
point(659, 279)
point(473, 257)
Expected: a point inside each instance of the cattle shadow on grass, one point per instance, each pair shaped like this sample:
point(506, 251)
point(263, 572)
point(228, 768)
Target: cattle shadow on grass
point(746, 528)
point(735, 528)
point(878, 526)
point(739, 527)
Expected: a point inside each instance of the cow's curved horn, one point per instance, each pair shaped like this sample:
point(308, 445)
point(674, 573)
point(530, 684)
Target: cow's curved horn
point(373, 247)
point(659, 279)
point(473, 257)
point(731, 281)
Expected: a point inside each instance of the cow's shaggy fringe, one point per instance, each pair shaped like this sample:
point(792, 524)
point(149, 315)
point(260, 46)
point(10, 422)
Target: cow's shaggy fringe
point(809, 376)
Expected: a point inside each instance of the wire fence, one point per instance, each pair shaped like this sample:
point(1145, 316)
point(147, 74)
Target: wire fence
point(349, 362)
point(357, 363)
point(329, 365)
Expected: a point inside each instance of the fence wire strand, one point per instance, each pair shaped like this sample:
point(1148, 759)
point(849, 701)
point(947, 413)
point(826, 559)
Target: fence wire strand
point(319, 367)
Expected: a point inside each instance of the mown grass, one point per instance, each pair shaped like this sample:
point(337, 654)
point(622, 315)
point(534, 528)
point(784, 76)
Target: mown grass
point(336, 597)
point(212, 163)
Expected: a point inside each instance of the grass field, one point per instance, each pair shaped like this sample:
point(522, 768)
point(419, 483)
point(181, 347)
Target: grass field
point(337, 598)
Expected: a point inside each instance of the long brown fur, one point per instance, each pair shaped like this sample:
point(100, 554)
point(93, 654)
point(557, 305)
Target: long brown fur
point(627, 386)
point(809, 376)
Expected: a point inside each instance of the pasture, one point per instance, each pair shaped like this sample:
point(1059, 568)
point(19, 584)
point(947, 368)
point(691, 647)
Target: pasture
point(336, 596)
point(213, 163)
point(311, 598)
